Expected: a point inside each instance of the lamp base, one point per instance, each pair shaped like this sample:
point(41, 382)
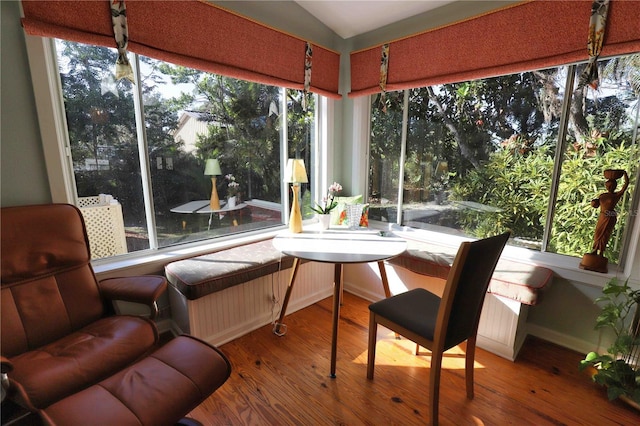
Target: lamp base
point(295, 220)
point(214, 203)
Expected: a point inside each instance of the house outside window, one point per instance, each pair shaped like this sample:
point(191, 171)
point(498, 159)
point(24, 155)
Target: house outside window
point(143, 148)
point(524, 152)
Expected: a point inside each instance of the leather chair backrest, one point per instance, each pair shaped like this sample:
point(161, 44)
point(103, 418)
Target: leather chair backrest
point(48, 286)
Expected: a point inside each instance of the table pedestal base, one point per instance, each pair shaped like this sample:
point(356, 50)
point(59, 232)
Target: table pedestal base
point(279, 328)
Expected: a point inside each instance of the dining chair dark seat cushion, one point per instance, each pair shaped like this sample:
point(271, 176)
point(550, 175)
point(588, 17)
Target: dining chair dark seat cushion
point(413, 309)
point(440, 323)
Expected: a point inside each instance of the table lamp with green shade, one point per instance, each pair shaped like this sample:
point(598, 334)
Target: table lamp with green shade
point(212, 168)
point(295, 174)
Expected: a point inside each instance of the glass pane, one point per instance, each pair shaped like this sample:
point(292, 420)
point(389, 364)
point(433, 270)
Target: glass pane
point(193, 116)
point(480, 155)
point(301, 142)
point(600, 136)
point(384, 164)
point(190, 117)
point(104, 148)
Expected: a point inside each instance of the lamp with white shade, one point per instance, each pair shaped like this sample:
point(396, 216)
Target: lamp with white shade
point(295, 174)
point(212, 168)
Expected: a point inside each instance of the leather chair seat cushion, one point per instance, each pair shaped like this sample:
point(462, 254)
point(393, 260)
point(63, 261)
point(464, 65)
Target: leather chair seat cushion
point(157, 390)
point(54, 371)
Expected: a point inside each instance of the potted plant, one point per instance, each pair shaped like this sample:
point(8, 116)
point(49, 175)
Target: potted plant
point(619, 368)
point(323, 211)
point(232, 190)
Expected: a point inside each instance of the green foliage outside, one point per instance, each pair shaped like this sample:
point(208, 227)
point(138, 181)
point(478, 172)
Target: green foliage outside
point(519, 186)
point(480, 155)
point(244, 134)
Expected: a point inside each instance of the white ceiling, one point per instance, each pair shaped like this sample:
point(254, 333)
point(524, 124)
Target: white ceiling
point(351, 18)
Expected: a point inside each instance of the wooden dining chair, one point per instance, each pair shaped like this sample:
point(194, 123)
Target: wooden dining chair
point(439, 324)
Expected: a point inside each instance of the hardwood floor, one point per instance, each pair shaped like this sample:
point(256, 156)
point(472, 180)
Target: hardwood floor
point(285, 381)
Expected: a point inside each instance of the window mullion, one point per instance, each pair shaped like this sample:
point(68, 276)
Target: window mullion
point(403, 154)
point(143, 152)
point(284, 154)
point(319, 151)
point(559, 155)
point(631, 239)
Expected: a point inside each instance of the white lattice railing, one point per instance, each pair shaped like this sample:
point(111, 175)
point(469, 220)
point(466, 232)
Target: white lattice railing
point(105, 226)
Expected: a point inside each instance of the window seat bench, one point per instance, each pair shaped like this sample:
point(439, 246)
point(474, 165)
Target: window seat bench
point(522, 282)
point(225, 294)
point(199, 276)
point(514, 288)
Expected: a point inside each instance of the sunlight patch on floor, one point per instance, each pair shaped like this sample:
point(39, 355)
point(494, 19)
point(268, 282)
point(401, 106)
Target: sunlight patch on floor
point(401, 353)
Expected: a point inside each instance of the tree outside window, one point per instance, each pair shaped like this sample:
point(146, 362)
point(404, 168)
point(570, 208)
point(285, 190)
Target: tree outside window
point(481, 155)
point(189, 117)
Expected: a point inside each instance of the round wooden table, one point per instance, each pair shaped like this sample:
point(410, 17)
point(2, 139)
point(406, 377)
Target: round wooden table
point(337, 247)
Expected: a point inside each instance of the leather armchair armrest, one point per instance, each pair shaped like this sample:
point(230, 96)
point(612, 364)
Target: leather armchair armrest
point(144, 289)
point(7, 366)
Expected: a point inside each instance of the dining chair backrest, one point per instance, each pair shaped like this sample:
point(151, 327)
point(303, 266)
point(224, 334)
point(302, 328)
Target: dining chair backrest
point(466, 287)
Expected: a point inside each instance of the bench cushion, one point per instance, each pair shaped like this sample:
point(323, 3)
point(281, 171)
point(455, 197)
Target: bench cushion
point(201, 275)
point(515, 280)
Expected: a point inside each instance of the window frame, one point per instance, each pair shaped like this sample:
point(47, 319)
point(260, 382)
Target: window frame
point(52, 122)
point(52, 126)
point(563, 266)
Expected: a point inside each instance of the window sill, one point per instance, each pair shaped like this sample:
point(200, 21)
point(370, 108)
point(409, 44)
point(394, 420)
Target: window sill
point(565, 267)
point(153, 261)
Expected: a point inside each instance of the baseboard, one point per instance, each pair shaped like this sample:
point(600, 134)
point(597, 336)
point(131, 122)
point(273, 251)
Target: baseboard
point(560, 339)
point(497, 348)
point(363, 294)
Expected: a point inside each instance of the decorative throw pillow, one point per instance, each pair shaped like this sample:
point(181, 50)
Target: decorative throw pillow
point(339, 214)
point(364, 219)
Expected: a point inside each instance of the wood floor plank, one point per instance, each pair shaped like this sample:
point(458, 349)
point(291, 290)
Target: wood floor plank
point(285, 381)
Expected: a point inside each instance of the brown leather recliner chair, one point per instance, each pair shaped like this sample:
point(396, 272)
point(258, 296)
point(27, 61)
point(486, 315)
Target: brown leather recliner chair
point(59, 332)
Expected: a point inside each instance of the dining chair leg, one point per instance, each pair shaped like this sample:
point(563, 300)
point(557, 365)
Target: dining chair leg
point(469, 361)
point(434, 385)
point(371, 350)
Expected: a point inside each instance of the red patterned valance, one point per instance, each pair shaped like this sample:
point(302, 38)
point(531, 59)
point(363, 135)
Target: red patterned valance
point(529, 35)
point(192, 33)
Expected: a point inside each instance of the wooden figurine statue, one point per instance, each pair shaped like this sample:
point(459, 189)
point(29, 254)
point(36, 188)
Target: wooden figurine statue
point(595, 261)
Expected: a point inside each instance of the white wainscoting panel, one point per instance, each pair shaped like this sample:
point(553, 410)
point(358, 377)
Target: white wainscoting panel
point(223, 316)
point(502, 327)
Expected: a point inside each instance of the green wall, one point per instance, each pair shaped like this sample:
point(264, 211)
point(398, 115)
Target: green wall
point(23, 174)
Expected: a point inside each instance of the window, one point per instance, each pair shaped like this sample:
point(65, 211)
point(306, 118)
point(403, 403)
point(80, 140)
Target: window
point(143, 147)
point(524, 152)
